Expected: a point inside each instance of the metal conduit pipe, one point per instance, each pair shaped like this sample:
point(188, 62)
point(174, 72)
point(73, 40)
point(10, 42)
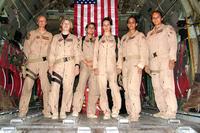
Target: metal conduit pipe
point(195, 4)
point(173, 4)
point(2, 4)
point(32, 20)
point(13, 1)
point(187, 7)
point(26, 7)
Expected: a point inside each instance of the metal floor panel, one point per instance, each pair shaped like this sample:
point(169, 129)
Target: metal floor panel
point(36, 123)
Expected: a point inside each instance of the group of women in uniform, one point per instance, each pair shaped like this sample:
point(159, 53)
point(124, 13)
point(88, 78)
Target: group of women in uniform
point(101, 59)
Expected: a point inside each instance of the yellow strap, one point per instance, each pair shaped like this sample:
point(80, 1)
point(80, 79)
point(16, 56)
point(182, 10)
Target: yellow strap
point(191, 51)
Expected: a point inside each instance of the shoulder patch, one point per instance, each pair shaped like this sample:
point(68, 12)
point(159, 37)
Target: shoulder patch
point(171, 30)
point(142, 36)
point(60, 39)
point(28, 36)
point(150, 34)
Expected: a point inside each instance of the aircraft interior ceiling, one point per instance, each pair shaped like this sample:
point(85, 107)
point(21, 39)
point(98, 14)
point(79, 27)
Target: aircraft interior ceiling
point(28, 10)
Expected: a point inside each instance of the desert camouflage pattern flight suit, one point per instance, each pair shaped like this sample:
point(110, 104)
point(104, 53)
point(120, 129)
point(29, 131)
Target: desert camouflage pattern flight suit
point(162, 45)
point(133, 55)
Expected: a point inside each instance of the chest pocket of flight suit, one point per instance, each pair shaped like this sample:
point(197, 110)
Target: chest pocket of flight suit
point(60, 42)
point(159, 34)
point(111, 43)
point(102, 43)
point(112, 46)
point(35, 43)
point(123, 46)
point(69, 42)
point(133, 45)
point(59, 46)
point(46, 42)
point(69, 46)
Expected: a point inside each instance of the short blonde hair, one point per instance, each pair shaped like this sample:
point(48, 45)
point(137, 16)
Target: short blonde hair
point(66, 19)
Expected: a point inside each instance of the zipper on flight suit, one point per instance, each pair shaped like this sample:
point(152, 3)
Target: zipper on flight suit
point(106, 54)
point(38, 64)
point(40, 48)
point(64, 62)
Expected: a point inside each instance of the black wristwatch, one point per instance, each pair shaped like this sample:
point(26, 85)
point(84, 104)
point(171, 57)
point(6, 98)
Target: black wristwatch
point(77, 65)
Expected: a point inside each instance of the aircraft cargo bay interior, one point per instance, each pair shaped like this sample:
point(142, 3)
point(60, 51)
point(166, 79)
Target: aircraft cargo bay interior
point(99, 66)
